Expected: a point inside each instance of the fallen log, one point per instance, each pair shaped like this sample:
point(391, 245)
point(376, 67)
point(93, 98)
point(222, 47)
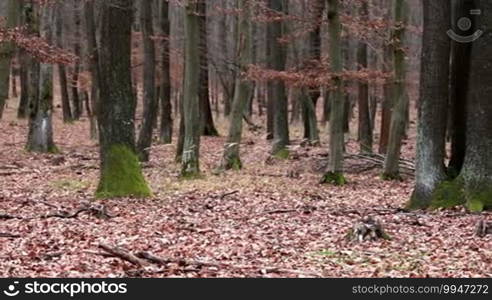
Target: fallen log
point(123, 254)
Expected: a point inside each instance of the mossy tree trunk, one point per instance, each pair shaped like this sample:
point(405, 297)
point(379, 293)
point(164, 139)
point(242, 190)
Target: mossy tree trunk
point(311, 132)
point(477, 167)
point(334, 171)
point(243, 91)
point(93, 53)
point(121, 174)
point(433, 103)
point(276, 62)
point(23, 108)
point(399, 114)
point(7, 52)
point(151, 104)
point(62, 70)
point(190, 167)
point(40, 136)
point(365, 128)
point(166, 128)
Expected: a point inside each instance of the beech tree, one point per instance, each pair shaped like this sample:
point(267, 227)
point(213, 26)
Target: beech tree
point(243, 90)
point(120, 169)
point(276, 61)
point(149, 93)
point(191, 114)
point(7, 51)
point(40, 136)
point(334, 171)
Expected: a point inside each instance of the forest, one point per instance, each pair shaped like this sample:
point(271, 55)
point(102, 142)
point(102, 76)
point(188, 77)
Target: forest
point(245, 138)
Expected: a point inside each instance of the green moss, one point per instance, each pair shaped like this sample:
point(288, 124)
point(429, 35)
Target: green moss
point(53, 149)
point(448, 194)
point(121, 175)
point(282, 154)
point(479, 200)
point(334, 178)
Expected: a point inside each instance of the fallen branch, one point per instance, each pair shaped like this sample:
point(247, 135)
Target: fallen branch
point(96, 210)
point(123, 254)
point(228, 194)
point(9, 217)
point(9, 235)
point(187, 262)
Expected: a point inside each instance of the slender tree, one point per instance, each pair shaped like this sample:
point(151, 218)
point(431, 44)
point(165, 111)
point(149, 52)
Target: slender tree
point(334, 172)
point(277, 60)
point(206, 117)
point(93, 61)
point(62, 70)
point(7, 52)
point(149, 97)
point(243, 90)
point(166, 129)
point(191, 104)
point(399, 114)
point(365, 128)
point(40, 136)
point(120, 170)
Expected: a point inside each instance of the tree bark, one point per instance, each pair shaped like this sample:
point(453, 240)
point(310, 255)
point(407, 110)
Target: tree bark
point(77, 104)
point(243, 91)
point(7, 53)
point(40, 136)
point(434, 91)
point(166, 130)
point(121, 175)
point(207, 120)
point(62, 71)
point(276, 62)
point(190, 167)
point(477, 167)
point(399, 114)
point(93, 57)
point(334, 171)
point(365, 128)
point(151, 104)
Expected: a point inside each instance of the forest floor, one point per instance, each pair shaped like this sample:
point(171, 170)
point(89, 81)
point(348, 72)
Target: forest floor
point(258, 222)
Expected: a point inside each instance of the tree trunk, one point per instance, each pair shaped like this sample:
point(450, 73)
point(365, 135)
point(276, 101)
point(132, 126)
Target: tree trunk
point(62, 72)
point(460, 72)
point(23, 109)
point(166, 130)
point(387, 105)
point(399, 115)
point(121, 175)
point(231, 158)
point(365, 128)
point(433, 103)
point(477, 167)
point(277, 60)
point(309, 110)
point(40, 137)
point(151, 104)
point(7, 53)
point(206, 117)
point(93, 54)
point(334, 171)
point(77, 105)
point(191, 102)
